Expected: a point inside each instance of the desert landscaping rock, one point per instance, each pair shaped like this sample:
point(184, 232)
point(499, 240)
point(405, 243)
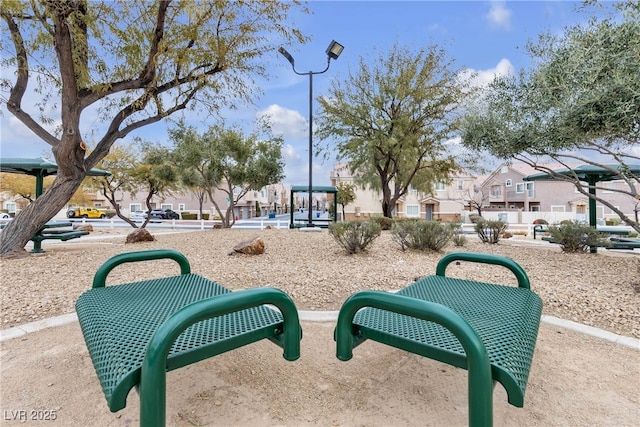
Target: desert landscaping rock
point(601, 290)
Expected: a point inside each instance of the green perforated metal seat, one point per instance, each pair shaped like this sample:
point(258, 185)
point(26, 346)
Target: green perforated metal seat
point(136, 332)
point(488, 329)
point(506, 319)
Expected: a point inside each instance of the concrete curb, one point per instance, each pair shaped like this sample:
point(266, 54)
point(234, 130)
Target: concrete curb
point(332, 316)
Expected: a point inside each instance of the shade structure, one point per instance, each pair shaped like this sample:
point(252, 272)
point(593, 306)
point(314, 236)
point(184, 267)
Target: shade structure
point(39, 168)
point(591, 174)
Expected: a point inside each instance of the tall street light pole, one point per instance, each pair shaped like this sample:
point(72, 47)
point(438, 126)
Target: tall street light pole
point(333, 52)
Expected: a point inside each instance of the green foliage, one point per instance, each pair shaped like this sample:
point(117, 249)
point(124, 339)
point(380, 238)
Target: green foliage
point(474, 218)
point(225, 160)
point(580, 97)
point(354, 236)
point(422, 235)
point(489, 231)
point(132, 63)
point(576, 237)
point(459, 239)
point(384, 222)
point(391, 120)
point(189, 215)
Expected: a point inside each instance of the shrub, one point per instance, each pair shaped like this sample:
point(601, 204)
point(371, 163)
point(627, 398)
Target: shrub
point(576, 237)
point(422, 235)
point(490, 231)
point(189, 215)
point(541, 221)
point(205, 216)
point(384, 222)
point(354, 236)
point(459, 239)
point(474, 218)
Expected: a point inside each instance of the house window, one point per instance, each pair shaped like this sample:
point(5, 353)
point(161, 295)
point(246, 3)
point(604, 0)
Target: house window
point(413, 211)
point(496, 191)
point(440, 186)
point(534, 208)
point(10, 207)
point(133, 207)
point(460, 185)
point(557, 208)
point(166, 206)
point(520, 187)
point(530, 189)
point(181, 207)
point(508, 183)
point(97, 205)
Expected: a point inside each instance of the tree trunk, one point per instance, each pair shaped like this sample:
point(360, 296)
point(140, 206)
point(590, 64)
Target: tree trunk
point(19, 231)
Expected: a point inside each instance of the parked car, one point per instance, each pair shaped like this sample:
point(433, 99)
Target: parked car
point(164, 214)
point(86, 213)
point(4, 215)
point(138, 215)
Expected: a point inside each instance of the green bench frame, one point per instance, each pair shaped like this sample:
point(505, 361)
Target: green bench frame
point(488, 329)
point(136, 332)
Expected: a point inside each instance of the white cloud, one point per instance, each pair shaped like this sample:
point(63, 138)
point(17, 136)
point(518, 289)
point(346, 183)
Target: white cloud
point(499, 16)
point(481, 78)
point(288, 123)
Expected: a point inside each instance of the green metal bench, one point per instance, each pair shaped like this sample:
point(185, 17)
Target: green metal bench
point(136, 332)
point(488, 329)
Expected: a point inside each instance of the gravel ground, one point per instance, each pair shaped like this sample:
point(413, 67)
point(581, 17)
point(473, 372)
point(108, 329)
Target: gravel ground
point(600, 290)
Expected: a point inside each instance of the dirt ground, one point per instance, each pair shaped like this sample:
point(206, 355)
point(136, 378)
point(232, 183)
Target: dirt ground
point(575, 380)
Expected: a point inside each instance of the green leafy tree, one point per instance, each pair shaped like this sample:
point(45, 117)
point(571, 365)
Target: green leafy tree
point(135, 63)
point(121, 163)
point(580, 102)
point(391, 121)
point(193, 155)
point(346, 194)
point(227, 161)
point(156, 173)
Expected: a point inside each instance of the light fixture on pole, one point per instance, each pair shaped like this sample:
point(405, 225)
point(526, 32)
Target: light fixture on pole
point(333, 52)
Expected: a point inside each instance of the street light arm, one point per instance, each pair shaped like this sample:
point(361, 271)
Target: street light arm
point(287, 55)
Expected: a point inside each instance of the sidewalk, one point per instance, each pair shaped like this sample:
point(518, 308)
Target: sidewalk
point(575, 380)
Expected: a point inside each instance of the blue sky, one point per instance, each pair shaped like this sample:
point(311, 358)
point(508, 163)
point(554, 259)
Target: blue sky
point(487, 37)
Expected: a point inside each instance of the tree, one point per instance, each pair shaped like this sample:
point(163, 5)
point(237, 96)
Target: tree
point(227, 161)
point(579, 103)
point(476, 197)
point(121, 162)
point(193, 157)
point(156, 173)
point(135, 63)
point(23, 186)
point(391, 121)
point(346, 194)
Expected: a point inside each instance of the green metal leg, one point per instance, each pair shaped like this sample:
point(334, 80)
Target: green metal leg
point(480, 381)
point(153, 381)
point(37, 247)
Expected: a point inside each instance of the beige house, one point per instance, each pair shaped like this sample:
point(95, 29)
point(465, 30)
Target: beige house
point(446, 203)
point(506, 190)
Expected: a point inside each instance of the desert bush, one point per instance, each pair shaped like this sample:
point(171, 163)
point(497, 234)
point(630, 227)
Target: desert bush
point(490, 231)
point(354, 236)
point(384, 222)
point(474, 218)
point(576, 237)
point(540, 221)
point(422, 235)
point(458, 238)
point(189, 215)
